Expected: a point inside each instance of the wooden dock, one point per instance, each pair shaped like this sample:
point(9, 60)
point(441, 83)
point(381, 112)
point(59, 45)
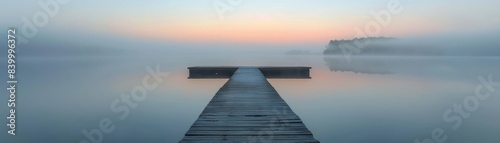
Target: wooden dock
point(247, 109)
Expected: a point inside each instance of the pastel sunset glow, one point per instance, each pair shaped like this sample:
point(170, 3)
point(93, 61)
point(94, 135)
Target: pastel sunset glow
point(259, 21)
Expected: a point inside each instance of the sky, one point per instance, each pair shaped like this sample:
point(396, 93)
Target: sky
point(257, 22)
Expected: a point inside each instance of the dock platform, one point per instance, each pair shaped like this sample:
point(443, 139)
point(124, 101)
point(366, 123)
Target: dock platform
point(247, 109)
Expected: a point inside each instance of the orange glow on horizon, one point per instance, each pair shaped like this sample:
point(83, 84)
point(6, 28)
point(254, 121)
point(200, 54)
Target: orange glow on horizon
point(245, 31)
point(257, 30)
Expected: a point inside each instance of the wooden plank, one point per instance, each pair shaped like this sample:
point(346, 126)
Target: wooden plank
point(248, 109)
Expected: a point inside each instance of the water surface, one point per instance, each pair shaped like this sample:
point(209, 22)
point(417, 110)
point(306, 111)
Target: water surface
point(369, 99)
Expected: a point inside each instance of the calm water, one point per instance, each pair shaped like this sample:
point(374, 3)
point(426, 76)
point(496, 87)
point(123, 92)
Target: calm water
point(369, 99)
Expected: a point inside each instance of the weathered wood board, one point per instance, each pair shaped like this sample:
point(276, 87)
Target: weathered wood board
point(247, 109)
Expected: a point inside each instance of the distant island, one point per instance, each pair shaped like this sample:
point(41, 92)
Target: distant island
point(377, 46)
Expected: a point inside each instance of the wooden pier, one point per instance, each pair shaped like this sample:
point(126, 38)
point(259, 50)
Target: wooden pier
point(247, 109)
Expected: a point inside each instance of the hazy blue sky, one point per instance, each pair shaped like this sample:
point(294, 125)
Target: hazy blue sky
point(312, 22)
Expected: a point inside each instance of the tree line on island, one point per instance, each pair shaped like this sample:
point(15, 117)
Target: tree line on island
point(378, 46)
